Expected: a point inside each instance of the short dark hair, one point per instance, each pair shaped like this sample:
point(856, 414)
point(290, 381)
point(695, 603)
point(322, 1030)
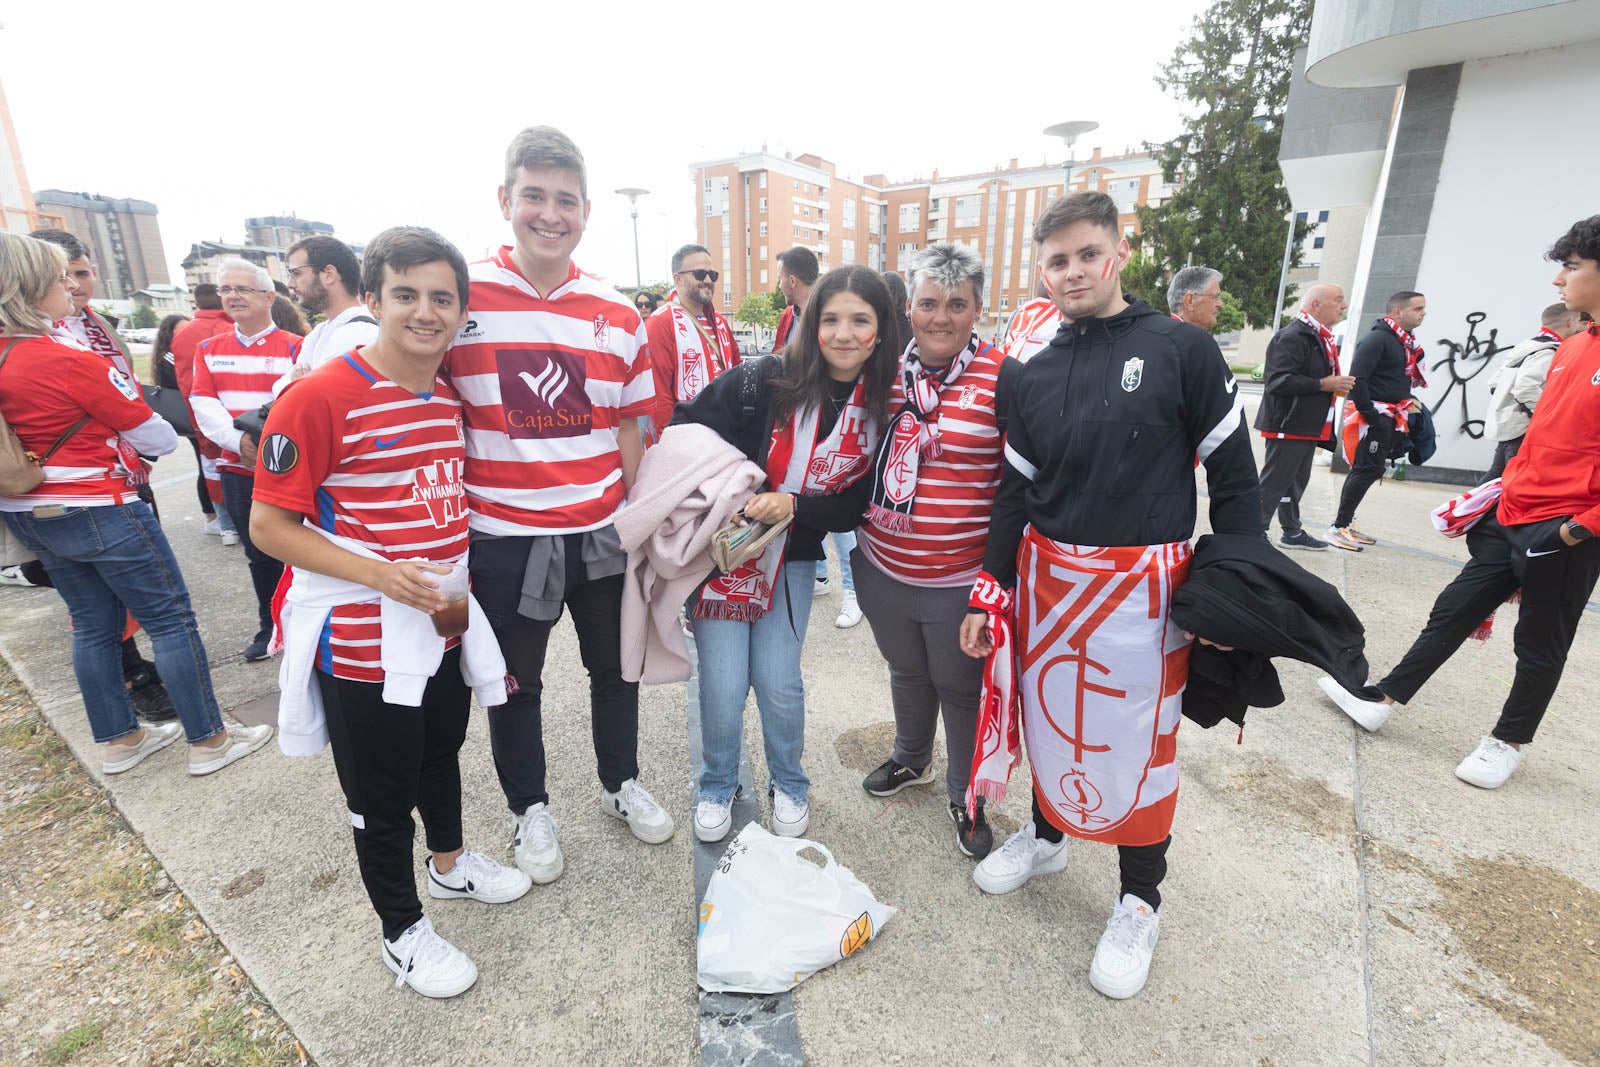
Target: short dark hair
point(544, 146)
point(1094, 207)
point(801, 262)
point(206, 298)
point(684, 253)
point(403, 247)
point(1399, 300)
point(324, 251)
point(1581, 240)
point(74, 248)
point(1555, 313)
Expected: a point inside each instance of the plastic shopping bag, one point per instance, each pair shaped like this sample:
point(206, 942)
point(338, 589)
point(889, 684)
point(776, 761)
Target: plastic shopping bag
point(771, 919)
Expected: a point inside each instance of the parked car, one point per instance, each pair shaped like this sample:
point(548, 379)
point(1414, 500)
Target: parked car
point(139, 335)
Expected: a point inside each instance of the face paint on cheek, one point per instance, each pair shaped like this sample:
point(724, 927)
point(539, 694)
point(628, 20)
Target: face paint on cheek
point(871, 341)
point(1106, 268)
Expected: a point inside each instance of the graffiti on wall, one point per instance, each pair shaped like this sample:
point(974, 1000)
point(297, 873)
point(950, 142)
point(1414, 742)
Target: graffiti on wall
point(1464, 360)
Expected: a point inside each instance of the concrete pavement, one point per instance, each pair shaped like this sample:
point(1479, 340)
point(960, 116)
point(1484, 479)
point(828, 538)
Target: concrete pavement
point(1334, 898)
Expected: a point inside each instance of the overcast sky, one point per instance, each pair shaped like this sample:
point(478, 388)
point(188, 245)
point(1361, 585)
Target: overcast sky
point(366, 115)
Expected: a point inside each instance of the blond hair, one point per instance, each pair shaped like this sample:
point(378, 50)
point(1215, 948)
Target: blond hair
point(28, 268)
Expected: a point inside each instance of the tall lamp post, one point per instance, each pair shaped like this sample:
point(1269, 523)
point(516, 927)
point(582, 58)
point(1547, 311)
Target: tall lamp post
point(1069, 132)
point(633, 194)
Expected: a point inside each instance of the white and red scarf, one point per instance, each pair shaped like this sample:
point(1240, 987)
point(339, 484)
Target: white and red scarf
point(1354, 430)
point(1329, 348)
point(913, 435)
point(999, 743)
point(1547, 334)
point(702, 353)
point(796, 463)
point(1461, 513)
point(1413, 354)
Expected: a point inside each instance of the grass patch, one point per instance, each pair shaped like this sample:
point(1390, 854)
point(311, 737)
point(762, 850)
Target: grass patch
point(77, 1038)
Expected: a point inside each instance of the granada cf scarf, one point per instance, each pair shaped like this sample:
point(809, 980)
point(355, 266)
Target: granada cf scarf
point(913, 434)
point(1103, 671)
point(1354, 430)
point(702, 354)
point(999, 746)
point(1461, 513)
point(796, 463)
point(1413, 354)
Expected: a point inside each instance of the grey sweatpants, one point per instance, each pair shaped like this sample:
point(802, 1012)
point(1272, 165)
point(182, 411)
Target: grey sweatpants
point(918, 631)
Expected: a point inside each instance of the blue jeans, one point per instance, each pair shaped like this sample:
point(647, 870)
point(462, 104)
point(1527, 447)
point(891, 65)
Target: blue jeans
point(765, 654)
point(843, 544)
point(108, 562)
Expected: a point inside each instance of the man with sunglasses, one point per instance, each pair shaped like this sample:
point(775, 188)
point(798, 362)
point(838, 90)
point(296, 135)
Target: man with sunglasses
point(690, 343)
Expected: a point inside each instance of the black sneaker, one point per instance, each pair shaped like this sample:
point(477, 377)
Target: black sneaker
point(974, 838)
point(890, 778)
point(1303, 541)
point(256, 650)
point(152, 703)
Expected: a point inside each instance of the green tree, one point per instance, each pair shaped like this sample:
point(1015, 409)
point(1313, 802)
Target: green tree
point(1231, 317)
point(757, 311)
point(1145, 279)
point(779, 301)
point(144, 318)
point(1230, 206)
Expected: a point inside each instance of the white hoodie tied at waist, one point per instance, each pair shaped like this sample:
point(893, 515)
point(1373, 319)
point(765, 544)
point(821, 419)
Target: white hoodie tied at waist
point(410, 652)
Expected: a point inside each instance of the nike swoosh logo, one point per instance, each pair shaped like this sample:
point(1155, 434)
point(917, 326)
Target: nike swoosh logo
point(379, 442)
point(1547, 552)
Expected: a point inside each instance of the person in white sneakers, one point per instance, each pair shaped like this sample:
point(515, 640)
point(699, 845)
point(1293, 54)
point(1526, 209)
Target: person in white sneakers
point(1537, 540)
point(368, 527)
point(554, 372)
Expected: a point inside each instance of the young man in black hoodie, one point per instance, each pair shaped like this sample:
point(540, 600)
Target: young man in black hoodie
point(1092, 523)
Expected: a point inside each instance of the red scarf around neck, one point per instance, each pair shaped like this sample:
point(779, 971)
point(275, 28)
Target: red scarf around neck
point(1413, 354)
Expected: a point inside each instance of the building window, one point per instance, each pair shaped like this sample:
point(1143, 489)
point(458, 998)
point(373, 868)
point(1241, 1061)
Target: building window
point(763, 182)
point(910, 218)
point(807, 187)
point(727, 296)
point(1322, 216)
point(763, 256)
point(908, 247)
point(797, 233)
point(797, 187)
point(711, 209)
point(848, 212)
point(763, 229)
point(1315, 243)
point(763, 203)
point(847, 250)
point(967, 210)
point(708, 185)
point(1299, 216)
point(763, 276)
point(806, 212)
point(1005, 302)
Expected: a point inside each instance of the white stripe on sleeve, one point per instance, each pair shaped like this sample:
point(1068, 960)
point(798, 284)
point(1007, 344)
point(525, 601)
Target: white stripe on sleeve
point(1023, 467)
point(1230, 422)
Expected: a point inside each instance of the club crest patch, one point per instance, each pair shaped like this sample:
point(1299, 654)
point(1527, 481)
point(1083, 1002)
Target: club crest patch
point(1132, 374)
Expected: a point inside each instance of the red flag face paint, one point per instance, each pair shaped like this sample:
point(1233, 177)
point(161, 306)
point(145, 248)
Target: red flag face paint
point(847, 332)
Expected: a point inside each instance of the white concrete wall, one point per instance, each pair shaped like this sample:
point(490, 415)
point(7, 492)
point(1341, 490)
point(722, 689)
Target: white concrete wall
point(1518, 169)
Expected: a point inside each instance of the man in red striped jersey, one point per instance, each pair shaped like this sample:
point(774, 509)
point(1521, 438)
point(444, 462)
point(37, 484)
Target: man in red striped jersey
point(554, 375)
point(360, 490)
point(1032, 327)
point(233, 373)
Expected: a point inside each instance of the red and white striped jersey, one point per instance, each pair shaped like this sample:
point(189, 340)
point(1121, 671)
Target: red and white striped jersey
point(364, 458)
point(239, 377)
point(545, 382)
point(1031, 329)
point(955, 492)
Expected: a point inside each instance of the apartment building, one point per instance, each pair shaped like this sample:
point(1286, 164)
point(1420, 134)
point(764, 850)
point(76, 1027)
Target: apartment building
point(123, 236)
point(751, 207)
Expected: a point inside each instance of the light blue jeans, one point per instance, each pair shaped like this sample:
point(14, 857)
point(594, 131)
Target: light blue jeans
point(843, 544)
point(107, 562)
point(734, 656)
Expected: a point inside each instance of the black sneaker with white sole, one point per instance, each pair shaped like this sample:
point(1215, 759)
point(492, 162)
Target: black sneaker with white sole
point(891, 777)
point(973, 836)
point(1302, 541)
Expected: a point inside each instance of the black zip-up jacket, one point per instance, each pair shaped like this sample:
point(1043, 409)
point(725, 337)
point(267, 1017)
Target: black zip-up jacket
point(1104, 428)
point(1293, 401)
point(1379, 369)
point(721, 407)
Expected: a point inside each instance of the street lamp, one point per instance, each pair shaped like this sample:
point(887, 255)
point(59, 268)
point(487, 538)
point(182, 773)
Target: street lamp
point(1069, 132)
point(633, 194)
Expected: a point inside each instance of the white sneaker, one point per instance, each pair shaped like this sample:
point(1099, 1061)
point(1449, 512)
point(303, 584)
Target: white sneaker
point(242, 740)
point(121, 757)
point(535, 844)
point(823, 587)
point(1023, 855)
point(849, 612)
point(634, 805)
point(477, 877)
point(1122, 961)
point(1368, 714)
point(1490, 764)
point(13, 576)
point(213, 526)
point(712, 821)
point(230, 537)
point(428, 963)
point(790, 817)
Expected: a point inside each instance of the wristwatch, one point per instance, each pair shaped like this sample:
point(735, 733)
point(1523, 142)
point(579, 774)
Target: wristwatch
point(1577, 531)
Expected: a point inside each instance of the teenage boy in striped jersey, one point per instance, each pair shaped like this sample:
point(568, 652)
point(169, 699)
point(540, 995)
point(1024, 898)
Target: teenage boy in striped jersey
point(360, 491)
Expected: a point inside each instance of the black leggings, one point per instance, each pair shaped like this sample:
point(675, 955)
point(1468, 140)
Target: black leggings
point(1143, 866)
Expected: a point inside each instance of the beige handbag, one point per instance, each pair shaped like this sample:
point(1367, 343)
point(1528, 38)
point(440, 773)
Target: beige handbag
point(735, 545)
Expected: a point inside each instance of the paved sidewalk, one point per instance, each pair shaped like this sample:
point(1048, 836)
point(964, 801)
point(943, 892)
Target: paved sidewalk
point(1335, 897)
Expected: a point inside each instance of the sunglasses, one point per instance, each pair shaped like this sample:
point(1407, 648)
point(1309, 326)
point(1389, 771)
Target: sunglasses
point(702, 275)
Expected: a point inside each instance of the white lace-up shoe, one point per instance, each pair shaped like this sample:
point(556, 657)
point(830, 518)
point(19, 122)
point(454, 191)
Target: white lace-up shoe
point(849, 612)
point(120, 756)
point(712, 821)
point(1009, 867)
point(535, 844)
point(1368, 714)
point(1490, 764)
point(634, 805)
point(477, 877)
point(428, 963)
point(242, 740)
point(790, 817)
point(1122, 961)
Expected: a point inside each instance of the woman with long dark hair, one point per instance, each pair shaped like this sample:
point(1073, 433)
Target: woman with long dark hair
point(811, 419)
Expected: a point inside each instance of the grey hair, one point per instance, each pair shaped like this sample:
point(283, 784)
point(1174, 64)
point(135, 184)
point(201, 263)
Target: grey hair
point(1189, 280)
point(263, 279)
point(949, 266)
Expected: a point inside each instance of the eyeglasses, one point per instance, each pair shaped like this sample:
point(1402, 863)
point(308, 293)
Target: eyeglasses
point(229, 290)
point(294, 272)
point(702, 275)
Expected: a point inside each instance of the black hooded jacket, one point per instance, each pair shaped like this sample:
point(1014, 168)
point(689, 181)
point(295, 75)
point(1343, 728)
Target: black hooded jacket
point(1104, 428)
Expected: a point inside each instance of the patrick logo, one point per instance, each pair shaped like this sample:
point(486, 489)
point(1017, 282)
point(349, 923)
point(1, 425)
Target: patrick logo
point(439, 488)
point(542, 393)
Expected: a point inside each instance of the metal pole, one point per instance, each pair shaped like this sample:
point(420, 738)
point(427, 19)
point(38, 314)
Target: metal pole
point(638, 271)
point(1283, 275)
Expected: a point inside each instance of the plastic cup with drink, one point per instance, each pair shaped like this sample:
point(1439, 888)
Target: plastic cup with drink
point(451, 620)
